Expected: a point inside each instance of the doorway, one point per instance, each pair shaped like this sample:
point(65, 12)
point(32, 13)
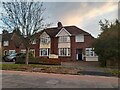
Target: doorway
point(79, 54)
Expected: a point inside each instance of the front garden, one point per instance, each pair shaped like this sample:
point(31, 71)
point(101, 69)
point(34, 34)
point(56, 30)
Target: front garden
point(57, 69)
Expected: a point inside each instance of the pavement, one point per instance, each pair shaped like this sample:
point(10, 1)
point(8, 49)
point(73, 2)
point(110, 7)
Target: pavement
point(19, 79)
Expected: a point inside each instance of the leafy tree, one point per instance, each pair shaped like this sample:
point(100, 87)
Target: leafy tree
point(106, 45)
point(26, 17)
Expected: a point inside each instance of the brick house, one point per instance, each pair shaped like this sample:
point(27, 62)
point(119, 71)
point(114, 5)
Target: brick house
point(64, 42)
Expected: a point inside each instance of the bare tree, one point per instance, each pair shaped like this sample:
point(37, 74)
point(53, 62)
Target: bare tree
point(27, 17)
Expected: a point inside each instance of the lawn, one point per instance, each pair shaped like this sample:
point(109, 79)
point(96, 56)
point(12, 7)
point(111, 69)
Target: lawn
point(40, 68)
point(58, 69)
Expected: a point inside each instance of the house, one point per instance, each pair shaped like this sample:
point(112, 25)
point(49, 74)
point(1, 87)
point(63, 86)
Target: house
point(11, 46)
point(68, 42)
point(63, 42)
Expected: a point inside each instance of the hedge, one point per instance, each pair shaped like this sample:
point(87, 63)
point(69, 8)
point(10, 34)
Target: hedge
point(42, 60)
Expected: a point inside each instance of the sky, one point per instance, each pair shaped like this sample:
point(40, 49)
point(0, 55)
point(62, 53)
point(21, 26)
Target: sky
point(85, 15)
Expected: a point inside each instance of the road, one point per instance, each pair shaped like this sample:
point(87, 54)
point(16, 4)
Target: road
point(19, 79)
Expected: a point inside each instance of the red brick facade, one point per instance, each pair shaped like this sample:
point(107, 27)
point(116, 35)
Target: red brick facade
point(74, 46)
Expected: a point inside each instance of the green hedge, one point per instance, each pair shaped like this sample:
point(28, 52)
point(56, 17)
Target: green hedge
point(33, 60)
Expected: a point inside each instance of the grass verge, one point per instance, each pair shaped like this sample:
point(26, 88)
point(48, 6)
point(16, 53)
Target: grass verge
point(40, 68)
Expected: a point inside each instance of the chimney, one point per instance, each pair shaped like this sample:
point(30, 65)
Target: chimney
point(4, 31)
point(59, 25)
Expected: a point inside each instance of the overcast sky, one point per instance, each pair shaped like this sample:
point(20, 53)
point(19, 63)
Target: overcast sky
point(85, 15)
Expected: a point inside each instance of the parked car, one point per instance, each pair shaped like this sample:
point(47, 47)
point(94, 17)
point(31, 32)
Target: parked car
point(11, 57)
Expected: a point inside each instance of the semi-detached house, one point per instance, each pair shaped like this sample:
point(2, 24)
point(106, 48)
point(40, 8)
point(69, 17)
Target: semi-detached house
point(63, 42)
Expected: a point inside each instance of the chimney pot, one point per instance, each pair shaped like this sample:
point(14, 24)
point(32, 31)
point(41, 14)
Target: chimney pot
point(59, 25)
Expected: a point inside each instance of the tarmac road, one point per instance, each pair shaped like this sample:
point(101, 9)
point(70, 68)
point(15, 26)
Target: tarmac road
point(19, 79)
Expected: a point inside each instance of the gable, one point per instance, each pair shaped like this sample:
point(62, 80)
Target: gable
point(44, 34)
point(63, 32)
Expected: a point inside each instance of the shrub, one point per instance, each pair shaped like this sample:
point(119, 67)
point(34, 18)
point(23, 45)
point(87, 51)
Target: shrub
point(37, 60)
point(50, 61)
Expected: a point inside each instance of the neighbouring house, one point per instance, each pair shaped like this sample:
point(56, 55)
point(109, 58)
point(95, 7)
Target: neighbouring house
point(9, 46)
point(67, 43)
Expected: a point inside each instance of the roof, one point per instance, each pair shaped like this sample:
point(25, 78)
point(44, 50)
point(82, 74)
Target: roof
point(73, 30)
point(7, 36)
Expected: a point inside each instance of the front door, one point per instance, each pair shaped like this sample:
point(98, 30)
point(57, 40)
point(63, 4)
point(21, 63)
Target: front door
point(79, 54)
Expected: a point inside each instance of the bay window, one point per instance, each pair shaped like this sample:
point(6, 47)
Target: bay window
point(45, 40)
point(44, 51)
point(64, 51)
point(64, 39)
point(90, 52)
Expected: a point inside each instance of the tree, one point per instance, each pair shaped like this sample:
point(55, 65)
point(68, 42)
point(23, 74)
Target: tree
point(26, 17)
point(106, 45)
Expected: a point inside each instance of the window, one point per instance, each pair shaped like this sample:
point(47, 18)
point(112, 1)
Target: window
point(32, 51)
point(64, 39)
point(79, 38)
point(90, 52)
point(5, 43)
point(34, 41)
point(5, 52)
point(23, 50)
point(44, 51)
point(45, 40)
point(11, 51)
point(64, 51)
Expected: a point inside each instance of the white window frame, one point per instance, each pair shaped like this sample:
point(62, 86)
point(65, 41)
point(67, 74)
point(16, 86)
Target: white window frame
point(5, 43)
point(79, 38)
point(33, 50)
point(45, 40)
point(34, 41)
point(64, 39)
point(11, 51)
point(23, 51)
point(89, 52)
point(48, 51)
point(5, 51)
point(67, 50)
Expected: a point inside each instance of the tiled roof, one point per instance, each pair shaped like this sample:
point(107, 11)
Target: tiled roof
point(7, 36)
point(73, 30)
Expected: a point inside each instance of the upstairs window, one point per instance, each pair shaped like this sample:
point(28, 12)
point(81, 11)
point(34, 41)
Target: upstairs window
point(79, 38)
point(45, 40)
point(64, 39)
point(5, 43)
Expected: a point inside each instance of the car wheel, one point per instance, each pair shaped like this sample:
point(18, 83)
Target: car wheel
point(13, 59)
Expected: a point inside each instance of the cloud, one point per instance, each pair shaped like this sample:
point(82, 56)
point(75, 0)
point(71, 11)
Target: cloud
point(93, 12)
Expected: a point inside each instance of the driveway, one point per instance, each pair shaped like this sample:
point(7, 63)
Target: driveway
point(19, 79)
point(88, 68)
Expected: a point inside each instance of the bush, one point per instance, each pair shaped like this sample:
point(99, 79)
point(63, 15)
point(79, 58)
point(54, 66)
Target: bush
point(49, 61)
point(35, 60)
point(32, 60)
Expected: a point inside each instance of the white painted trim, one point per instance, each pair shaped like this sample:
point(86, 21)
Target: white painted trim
point(6, 52)
point(11, 51)
point(61, 31)
point(5, 43)
point(33, 50)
